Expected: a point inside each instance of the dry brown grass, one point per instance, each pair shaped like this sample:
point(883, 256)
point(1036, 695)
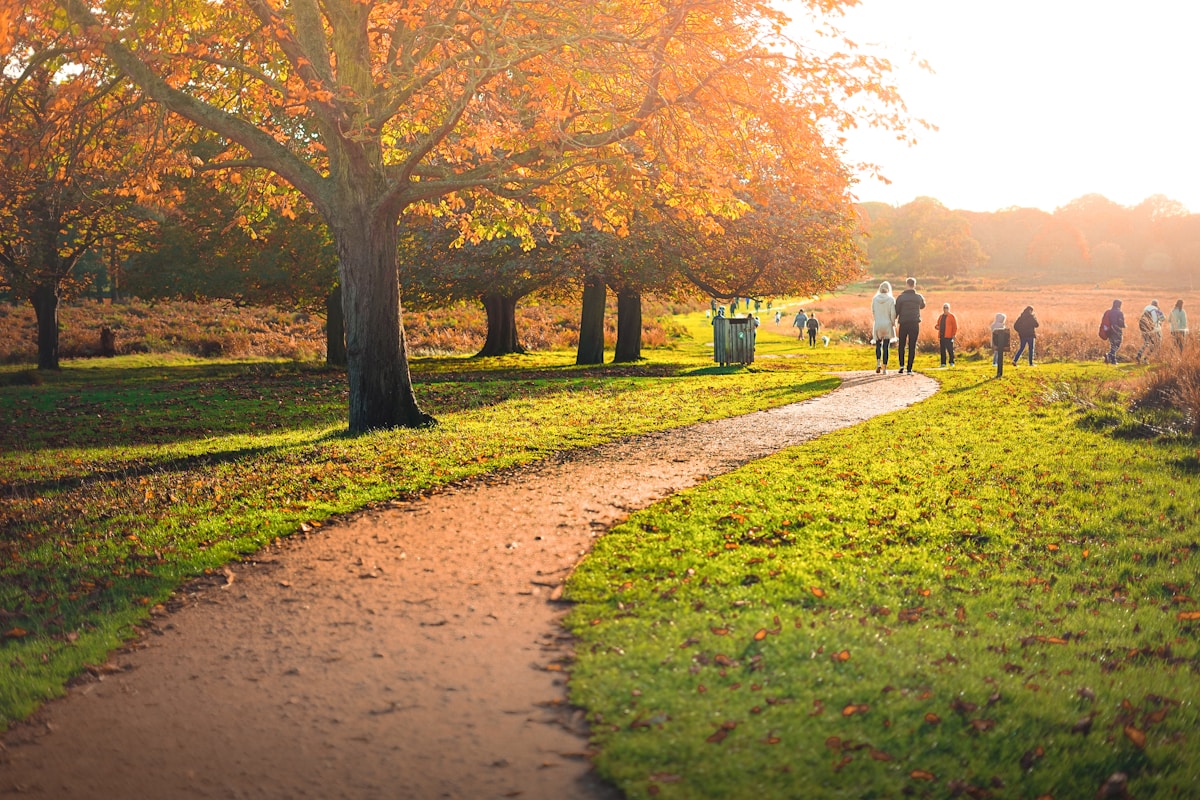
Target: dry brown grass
point(1174, 384)
point(1069, 316)
point(222, 329)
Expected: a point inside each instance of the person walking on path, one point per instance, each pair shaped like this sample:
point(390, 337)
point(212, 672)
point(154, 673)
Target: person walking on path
point(947, 329)
point(1113, 323)
point(800, 322)
point(883, 325)
point(1179, 325)
point(813, 326)
point(1025, 326)
point(908, 317)
point(1001, 339)
point(1150, 326)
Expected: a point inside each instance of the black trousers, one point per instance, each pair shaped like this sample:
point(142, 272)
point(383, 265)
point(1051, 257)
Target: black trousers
point(908, 334)
point(946, 348)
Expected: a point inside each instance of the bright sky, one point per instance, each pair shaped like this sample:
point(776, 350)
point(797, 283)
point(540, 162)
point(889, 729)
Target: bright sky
point(1038, 102)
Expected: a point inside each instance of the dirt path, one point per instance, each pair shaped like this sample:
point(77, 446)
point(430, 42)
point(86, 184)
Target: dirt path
point(410, 652)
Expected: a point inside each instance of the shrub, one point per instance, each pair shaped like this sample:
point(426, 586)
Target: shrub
point(1174, 385)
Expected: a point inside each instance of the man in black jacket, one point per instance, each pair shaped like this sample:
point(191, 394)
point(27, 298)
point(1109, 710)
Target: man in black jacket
point(908, 315)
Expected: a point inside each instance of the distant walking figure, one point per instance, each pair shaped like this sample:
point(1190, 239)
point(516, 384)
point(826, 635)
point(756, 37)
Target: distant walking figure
point(947, 329)
point(1114, 324)
point(908, 317)
point(883, 325)
point(1001, 340)
point(1150, 326)
point(813, 326)
point(1179, 325)
point(800, 322)
point(1025, 326)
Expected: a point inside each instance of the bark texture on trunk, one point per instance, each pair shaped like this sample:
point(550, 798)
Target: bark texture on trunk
point(591, 323)
point(45, 306)
point(381, 393)
point(501, 326)
point(629, 326)
point(335, 329)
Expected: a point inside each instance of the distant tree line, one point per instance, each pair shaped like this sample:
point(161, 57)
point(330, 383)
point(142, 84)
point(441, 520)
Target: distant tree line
point(1089, 239)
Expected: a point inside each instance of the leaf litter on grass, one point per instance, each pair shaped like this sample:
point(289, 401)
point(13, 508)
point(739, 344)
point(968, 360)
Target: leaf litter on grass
point(1015, 600)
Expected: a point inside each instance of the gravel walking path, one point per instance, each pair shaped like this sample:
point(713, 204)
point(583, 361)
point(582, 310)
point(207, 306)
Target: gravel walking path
point(409, 652)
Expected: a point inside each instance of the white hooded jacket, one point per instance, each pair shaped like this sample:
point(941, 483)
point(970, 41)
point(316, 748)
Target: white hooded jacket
point(883, 309)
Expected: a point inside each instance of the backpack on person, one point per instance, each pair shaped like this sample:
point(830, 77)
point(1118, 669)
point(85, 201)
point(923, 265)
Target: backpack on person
point(1106, 325)
point(1146, 322)
point(813, 324)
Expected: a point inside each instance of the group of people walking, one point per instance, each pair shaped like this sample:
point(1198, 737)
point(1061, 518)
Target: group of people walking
point(897, 319)
point(1149, 325)
point(808, 324)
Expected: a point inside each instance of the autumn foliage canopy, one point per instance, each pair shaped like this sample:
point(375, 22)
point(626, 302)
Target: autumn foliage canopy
point(493, 115)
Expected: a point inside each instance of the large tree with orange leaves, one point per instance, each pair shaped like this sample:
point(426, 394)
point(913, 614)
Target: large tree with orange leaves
point(368, 107)
point(78, 148)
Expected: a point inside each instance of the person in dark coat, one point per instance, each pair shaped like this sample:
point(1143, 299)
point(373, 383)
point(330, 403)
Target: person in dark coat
point(1114, 319)
point(908, 318)
point(1025, 326)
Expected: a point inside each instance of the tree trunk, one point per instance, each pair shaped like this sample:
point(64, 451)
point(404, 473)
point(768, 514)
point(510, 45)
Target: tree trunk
point(45, 306)
point(591, 323)
point(629, 326)
point(501, 326)
point(381, 393)
point(114, 277)
point(335, 329)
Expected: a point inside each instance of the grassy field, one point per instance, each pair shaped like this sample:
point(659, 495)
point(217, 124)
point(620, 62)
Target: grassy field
point(987, 595)
point(122, 478)
point(990, 594)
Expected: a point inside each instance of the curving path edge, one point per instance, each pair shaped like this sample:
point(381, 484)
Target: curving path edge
point(407, 652)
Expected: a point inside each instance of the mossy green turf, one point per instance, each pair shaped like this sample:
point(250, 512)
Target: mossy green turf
point(981, 595)
point(122, 478)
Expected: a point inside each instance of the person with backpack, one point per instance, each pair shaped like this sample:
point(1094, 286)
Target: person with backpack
point(908, 320)
point(947, 329)
point(1112, 330)
point(813, 326)
point(1150, 326)
point(1001, 339)
point(1025, 326)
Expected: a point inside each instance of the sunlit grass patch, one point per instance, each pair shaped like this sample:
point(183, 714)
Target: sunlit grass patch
point(120, 479)
point(975, 596)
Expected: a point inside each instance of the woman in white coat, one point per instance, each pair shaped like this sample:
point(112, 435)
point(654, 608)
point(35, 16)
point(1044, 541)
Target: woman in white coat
point(883, 331)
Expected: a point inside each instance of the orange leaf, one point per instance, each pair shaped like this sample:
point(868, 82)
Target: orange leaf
point(933, 719)
point(1187, 616)
point(880, 755)
point(818, 591)
point(1137, 737)
point(855, 708)
point(720, 631)
point(760, 634)
point(921, 775)
point(15, 633)
point(720, 734)
point(844, 655)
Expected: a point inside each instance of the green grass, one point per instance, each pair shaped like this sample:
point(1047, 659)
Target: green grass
point(985, 595)
point(120, 479)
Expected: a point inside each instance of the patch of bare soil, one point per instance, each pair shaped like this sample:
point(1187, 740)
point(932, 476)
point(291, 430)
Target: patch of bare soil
point(410, 652)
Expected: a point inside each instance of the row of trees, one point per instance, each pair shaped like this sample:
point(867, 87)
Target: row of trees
point(390, 122)
point(1090, 238)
